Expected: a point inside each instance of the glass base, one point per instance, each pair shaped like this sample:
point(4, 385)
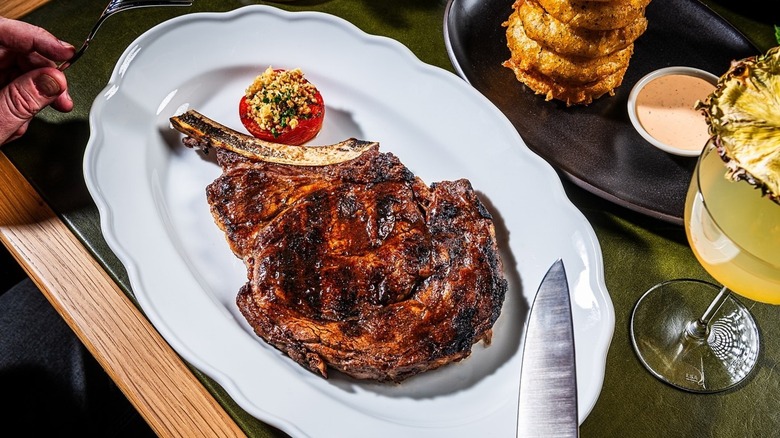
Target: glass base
point(666, 343)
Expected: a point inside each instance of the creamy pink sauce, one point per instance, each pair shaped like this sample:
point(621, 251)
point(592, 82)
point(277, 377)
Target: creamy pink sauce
point(664, 107)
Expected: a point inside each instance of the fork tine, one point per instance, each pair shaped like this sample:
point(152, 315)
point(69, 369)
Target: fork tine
point(121, 5)
point(114, 7)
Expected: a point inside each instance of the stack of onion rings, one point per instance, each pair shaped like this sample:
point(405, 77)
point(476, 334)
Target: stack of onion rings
point(573, 50)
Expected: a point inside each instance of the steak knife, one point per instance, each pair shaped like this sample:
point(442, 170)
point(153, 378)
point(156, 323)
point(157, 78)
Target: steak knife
point(548, 380)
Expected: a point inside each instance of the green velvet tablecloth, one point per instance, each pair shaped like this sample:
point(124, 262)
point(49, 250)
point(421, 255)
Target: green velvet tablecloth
point(638, 251)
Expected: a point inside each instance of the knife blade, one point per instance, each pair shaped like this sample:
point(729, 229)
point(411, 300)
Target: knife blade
point(548, 380)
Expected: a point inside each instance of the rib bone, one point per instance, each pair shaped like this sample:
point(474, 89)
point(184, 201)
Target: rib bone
point(205, 133)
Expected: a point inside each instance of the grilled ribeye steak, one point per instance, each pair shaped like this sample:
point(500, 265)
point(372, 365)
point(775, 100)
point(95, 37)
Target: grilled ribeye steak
point(357, 265)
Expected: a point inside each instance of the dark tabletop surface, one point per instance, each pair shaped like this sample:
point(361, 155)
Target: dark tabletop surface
point(638, 251)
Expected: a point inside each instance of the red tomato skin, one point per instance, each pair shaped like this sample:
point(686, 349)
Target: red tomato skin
point(306, 130)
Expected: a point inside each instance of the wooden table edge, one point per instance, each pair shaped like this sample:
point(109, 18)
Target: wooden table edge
point(19, 8)
point(125, 343)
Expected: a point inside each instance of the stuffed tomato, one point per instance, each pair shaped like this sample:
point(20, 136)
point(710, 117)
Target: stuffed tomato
point(282, 106)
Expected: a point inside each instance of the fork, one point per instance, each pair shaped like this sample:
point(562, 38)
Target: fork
point(114, 7)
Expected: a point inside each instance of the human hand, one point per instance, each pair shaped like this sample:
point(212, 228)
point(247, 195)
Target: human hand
point(29, 79)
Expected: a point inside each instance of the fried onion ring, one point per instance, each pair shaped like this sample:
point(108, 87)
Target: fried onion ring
point(595, 15)
point(576, 70)
point(567, 40)
point(571, 94)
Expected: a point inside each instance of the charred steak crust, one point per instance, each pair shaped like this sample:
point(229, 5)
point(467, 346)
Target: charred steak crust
point(359, 266)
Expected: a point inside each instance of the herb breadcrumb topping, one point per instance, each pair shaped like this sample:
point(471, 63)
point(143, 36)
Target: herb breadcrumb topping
point(280, 98)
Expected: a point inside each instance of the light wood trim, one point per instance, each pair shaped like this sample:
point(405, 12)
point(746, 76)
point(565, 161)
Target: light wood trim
point(147, 370)
point(144, 366)
point(18, 8)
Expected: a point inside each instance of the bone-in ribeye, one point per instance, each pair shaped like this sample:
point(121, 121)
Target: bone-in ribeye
point(355, 265)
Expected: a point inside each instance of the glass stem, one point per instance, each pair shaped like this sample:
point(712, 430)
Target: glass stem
point(700, 328)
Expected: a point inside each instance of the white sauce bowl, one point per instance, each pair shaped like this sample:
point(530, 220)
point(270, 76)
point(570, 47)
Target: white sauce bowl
point(635, 115)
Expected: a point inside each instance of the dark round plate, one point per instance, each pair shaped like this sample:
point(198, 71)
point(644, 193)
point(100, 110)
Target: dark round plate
point(595, 145)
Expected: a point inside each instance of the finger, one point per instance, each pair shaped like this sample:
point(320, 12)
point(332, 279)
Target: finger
point(25, 38)
point(19, 132)
point(14, 64)
point(63, 103)
point(21, 64)
point(7, 57)
point(28, 94)
point(31, 61)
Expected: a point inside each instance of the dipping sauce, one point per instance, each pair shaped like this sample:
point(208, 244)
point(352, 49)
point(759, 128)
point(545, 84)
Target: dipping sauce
point(665, 109)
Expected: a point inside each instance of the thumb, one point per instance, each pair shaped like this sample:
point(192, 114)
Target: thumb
point(27, 95)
